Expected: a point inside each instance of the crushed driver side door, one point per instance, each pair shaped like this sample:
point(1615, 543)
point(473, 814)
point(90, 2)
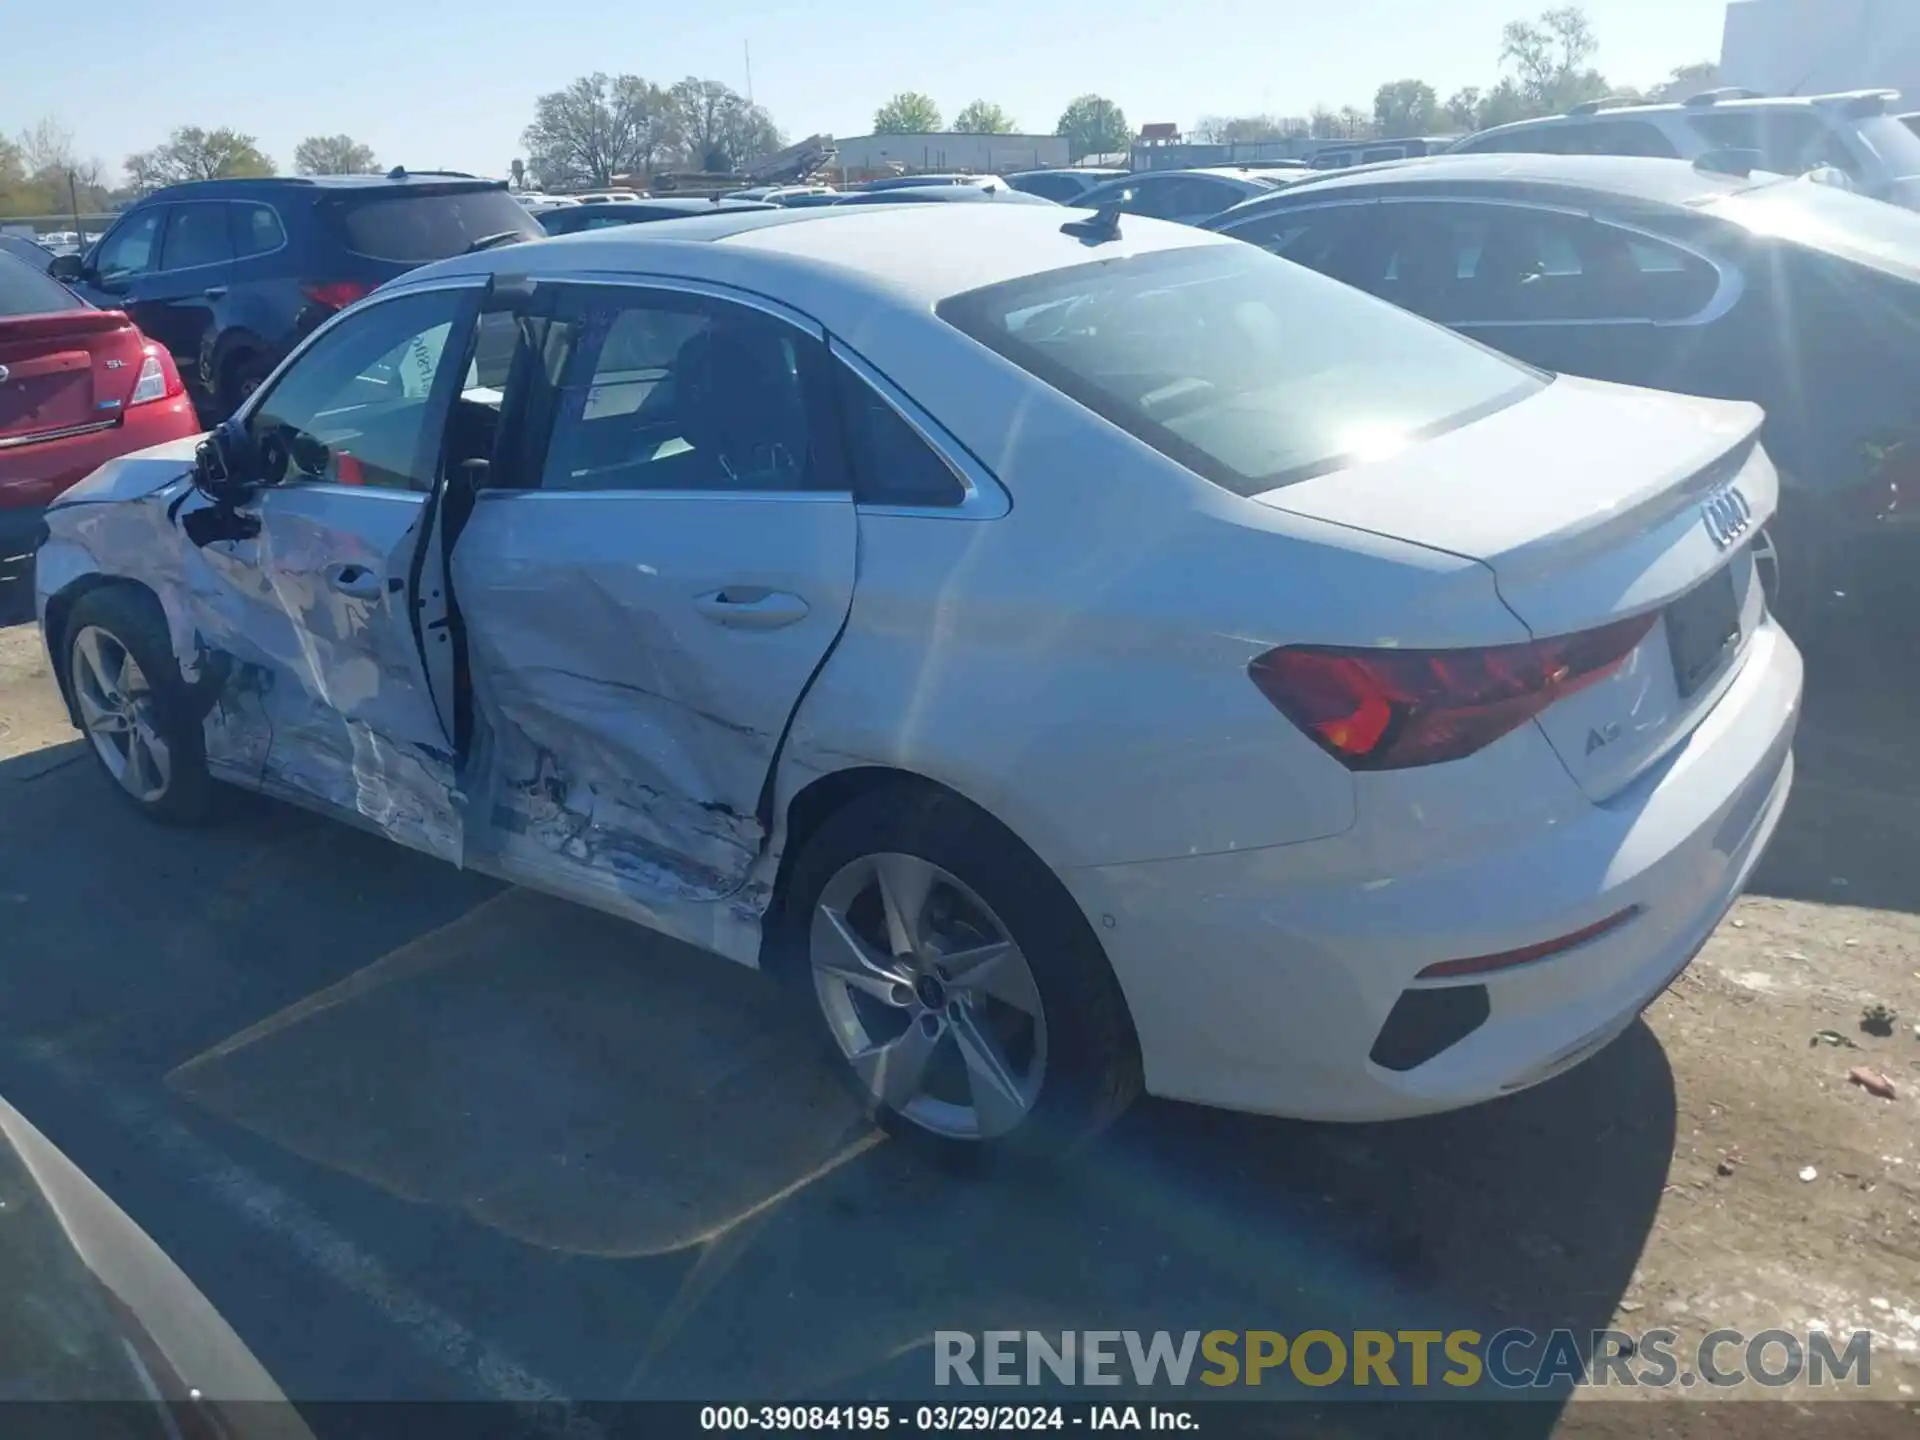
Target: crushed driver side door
point(321, 618)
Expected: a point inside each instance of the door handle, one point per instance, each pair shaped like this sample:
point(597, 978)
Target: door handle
point(215, 292)
point(742, 607)
point(356, 581)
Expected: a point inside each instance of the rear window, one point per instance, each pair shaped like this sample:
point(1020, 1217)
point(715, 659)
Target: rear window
point(25, 291)
point(1893, 143)
point(415, 226)
point(1825, 217)
point(1249, 370)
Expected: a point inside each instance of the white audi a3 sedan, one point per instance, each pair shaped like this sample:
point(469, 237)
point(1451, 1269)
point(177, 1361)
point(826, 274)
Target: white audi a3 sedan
point(1083, 655)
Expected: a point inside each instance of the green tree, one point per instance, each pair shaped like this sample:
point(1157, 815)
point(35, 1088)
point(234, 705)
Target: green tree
point(1094, 125)
point(333, 155)
point(1463, 108)
point(192, 153)
point(908, 113)
point(983, 117)
point(1406, 107)
point(1503, 104)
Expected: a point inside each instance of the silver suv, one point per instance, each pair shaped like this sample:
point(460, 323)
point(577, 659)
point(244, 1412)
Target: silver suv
point(1856, 133)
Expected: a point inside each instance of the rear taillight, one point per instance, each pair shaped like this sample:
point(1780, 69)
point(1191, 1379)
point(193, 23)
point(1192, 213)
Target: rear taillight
point(336, 294)
point(158, 379)
point(1392, 709)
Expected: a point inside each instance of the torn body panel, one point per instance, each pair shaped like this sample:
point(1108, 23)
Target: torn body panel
point(625, 729)
point(311, 691)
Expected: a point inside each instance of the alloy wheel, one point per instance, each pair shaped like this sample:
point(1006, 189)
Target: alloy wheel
point(117, 711)
point(928, 997)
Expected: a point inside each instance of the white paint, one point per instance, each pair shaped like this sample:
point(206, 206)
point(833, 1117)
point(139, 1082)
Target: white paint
point(431, 1331)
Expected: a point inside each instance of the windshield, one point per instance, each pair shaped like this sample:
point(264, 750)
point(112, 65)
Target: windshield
point(1825, 217)
point(415, 226)
point(1249, 370)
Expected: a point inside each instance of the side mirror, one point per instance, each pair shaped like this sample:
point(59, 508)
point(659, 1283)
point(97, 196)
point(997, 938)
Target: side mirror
point(67, 268)
point(225, 468)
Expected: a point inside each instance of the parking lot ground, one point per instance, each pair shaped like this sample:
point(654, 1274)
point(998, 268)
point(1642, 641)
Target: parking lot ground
point(416, 1135)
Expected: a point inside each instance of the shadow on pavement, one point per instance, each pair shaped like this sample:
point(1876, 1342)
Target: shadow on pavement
point(617, 1158)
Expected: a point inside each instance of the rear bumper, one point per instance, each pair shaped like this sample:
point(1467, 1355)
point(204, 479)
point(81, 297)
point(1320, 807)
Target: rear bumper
point(1261, 980)
point(32, 476)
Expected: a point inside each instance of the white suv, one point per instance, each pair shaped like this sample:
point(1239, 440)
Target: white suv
point(1856, 133)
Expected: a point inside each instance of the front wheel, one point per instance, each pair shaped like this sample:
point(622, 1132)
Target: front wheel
point(135, 709)
point(962, 993)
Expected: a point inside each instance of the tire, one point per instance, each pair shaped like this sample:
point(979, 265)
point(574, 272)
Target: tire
point(141, 723)
point(239, 378)
point(980, 880)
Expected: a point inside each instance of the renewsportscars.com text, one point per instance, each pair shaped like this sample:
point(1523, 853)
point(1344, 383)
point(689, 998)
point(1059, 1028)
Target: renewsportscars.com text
point(1510, 1359)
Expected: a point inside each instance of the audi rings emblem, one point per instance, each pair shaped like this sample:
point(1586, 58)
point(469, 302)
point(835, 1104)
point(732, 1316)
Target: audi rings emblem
point(1728, 516)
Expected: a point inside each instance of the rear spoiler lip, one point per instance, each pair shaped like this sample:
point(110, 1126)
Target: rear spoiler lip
point(82, 321)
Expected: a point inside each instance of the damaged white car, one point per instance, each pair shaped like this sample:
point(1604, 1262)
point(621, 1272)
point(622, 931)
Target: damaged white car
point(1084, 656)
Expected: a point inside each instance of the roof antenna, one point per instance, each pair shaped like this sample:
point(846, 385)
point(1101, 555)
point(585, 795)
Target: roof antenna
point(1098, 228)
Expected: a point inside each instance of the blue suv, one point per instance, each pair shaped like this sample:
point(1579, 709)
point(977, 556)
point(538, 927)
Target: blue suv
point(230, 275)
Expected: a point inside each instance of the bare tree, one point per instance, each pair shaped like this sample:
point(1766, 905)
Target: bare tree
point(333, 155)
point(1549, 58)
point(46, 146)
point(1241, 129)
point(1463, 108)
point(719, 129)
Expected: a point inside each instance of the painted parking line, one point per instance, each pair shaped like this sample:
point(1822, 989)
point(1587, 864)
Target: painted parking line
point(429, 1330)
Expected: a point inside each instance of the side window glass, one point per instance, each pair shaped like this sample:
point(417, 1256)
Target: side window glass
point(196, 235)
point(132, 248)
point(1545, 267)
point(1334, 240)
point(891, 464)
point(1435, 258)
point(660, 391)
point(356, 408)
point(1621, 137)
point(256, 228)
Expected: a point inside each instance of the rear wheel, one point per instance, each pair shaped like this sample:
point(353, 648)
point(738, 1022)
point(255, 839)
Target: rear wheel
point(962, 994)
point(241, 376)
point(135, 709)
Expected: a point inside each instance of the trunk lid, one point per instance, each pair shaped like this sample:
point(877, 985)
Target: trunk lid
point(1592, 503)
point(64, 372)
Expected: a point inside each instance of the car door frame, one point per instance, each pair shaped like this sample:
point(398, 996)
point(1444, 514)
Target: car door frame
point(726, 923)
point(163, 311)
point(423, 592)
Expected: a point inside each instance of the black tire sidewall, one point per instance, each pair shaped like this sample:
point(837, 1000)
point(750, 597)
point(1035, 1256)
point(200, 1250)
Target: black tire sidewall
point(1093, 1065)
point(134, 618)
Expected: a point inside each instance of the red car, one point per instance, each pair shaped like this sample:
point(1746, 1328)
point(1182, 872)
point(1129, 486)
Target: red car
point(78, 386)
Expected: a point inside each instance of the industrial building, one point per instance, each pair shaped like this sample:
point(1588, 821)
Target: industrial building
point(947, 150)
point(1811, 47)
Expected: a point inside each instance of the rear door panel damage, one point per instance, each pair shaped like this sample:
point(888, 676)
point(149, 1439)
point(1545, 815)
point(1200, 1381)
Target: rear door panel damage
point(628, 732)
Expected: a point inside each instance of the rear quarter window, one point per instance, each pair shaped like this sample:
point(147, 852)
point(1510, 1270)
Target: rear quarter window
point(415, 226)
point(1250, 371)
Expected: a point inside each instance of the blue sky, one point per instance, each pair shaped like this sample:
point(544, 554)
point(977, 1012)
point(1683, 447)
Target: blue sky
point(426, 90)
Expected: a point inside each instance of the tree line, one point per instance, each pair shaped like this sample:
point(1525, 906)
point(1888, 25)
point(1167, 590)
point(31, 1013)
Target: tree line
point(605, 126)
point(1546, 70)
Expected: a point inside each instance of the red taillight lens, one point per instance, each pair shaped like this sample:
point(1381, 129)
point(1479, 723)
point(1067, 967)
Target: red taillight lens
point(1392, 709)
point(158, 378)
point(337, 294)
